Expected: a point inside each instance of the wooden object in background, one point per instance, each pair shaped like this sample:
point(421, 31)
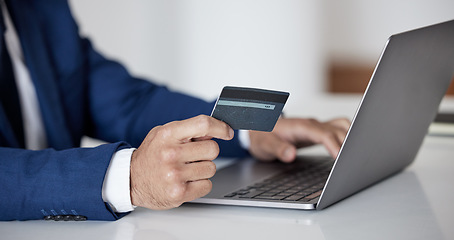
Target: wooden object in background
point(354, 79)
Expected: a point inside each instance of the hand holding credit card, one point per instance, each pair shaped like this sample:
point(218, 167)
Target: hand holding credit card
point(249, 108)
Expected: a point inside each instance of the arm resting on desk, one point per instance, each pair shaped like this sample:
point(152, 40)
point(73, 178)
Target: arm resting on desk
point(49, 182)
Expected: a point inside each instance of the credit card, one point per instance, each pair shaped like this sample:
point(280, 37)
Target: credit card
point(249, 108)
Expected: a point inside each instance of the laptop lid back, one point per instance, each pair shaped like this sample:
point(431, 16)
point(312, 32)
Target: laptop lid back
point(400, 102)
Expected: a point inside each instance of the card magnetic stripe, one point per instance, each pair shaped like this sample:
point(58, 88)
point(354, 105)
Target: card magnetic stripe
point(254, 94)
point(246, 104)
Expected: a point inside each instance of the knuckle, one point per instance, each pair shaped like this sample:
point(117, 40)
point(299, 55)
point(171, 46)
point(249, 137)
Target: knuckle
point(176, 194)
point(163, 132)
point(169, 154)
point(174, 176)
point(203, 122)
point(152, 134)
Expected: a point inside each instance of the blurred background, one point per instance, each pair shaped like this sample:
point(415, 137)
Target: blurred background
point(323, 52)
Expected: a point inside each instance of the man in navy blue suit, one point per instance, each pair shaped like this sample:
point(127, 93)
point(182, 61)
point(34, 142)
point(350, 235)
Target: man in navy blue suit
point(55, 88)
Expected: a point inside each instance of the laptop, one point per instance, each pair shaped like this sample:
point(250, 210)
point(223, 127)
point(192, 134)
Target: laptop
point(393, 117)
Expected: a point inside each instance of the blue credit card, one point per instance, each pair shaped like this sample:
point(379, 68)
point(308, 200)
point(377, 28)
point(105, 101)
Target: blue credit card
point(249, 108)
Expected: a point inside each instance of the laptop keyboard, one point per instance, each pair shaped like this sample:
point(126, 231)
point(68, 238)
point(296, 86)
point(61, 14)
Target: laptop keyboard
point(301, 184)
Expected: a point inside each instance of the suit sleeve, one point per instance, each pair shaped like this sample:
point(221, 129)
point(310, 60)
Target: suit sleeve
point(116, 105)
point(126, 108)
point(35, 184)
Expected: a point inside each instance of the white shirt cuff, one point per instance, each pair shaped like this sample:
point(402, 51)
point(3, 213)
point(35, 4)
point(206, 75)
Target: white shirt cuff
point(115, 189)
point(243, 138)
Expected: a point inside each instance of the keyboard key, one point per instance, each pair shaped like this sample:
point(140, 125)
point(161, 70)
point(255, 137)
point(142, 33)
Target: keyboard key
point(269, 197)
point(252, 193)
point(268, 194)
point(313, 195)
point(293, 198)
point(230, 195)
point(242, 192)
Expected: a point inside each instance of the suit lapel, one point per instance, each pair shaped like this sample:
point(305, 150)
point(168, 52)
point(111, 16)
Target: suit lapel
point(37, 59)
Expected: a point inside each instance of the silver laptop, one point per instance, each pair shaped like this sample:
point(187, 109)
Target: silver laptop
point(400, 102)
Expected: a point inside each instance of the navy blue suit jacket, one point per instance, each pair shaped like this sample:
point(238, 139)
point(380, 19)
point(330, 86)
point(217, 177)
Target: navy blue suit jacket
point(80, 93)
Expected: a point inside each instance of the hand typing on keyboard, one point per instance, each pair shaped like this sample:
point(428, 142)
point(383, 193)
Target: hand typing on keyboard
point(290, 134)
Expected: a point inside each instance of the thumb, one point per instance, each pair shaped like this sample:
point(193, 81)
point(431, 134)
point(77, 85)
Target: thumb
point(268, 146)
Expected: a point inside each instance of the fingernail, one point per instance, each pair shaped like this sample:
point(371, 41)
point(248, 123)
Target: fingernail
point(231, 132)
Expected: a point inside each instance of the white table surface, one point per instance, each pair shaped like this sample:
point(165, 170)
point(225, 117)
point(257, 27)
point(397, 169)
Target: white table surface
point(415, 204)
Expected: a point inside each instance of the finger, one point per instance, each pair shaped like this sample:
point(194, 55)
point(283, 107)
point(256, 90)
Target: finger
point(321, 134)
point(271, 147)
point(195, 171)
point(201, 126)
point(199, 150)
point(342, 123)
point(197, 189)
point(340, 134)
point(340, 127)
point(331, 142)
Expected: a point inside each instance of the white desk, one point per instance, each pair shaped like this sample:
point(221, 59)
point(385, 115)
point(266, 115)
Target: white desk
point(415, 204)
